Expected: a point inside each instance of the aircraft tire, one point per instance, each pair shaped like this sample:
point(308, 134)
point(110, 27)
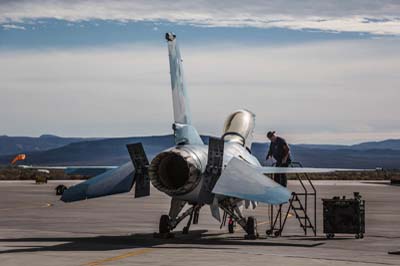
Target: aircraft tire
point(251, 226)
point(231, 228)
point(60, 190)
point(185, 230)
point(164, 226)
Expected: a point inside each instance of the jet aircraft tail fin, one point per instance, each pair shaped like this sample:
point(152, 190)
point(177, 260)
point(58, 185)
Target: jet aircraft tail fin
point(185, 133)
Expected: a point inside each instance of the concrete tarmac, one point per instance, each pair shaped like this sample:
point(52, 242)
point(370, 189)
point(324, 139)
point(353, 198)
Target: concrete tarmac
point(37, 229)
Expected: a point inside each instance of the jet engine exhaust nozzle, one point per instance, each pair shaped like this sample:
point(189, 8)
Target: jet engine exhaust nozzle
point(174, 172)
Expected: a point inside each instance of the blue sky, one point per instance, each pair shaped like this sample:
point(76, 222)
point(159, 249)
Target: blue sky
point(54, 33)
point(316, 72)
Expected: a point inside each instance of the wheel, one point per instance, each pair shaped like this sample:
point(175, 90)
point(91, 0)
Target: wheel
point(185, 230)
point(231, 227)
point(361, 235)
point(330, 236)
point(60, 190)
point(277, 233)
point(164, 227)
point(268, 232)
point(251, 226)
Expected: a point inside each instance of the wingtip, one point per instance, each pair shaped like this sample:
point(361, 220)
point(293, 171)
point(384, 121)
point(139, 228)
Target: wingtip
point(75, 193)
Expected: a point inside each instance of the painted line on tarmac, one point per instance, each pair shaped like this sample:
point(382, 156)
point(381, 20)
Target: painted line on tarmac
point(265, 222)
point(28, 207)
point(120, 257)
point(261, 223)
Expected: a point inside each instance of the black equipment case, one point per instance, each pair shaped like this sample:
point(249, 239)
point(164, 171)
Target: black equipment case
point(345, 216)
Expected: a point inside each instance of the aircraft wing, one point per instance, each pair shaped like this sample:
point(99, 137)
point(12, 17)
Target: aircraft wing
point(302, 170)
point(117, 180)
point(242, 180)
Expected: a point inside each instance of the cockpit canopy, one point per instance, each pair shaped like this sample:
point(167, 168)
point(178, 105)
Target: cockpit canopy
point(239, 127)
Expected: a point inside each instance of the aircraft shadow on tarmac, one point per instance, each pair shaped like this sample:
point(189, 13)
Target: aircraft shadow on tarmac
point(200, 238)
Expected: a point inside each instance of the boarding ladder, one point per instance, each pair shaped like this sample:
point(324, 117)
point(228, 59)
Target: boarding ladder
point(299, 203)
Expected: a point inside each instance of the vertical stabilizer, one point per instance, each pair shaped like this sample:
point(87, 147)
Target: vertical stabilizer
point(179, 93)
point(185, 133)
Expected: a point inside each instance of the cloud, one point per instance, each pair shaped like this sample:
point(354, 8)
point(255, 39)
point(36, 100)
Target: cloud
point(337, 92)
point(12, 27)
point(369, 16)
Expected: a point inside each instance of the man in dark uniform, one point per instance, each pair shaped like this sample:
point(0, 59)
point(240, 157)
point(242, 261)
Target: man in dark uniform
point(279, 150)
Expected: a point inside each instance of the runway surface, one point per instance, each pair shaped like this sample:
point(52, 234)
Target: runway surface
point(37, 229)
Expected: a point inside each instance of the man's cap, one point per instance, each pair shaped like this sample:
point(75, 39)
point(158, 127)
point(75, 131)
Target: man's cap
point(270, 134)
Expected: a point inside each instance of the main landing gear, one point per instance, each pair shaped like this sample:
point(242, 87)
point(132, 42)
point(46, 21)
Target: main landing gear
point(167, 224)
point(248, 224)
point(230, 208)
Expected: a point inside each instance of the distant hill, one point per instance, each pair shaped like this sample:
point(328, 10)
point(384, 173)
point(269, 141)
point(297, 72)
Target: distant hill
point(339, 158)
point(391, 144)
point(113, 152)
point(323, 146)
point(95, 152)
point(13, 145)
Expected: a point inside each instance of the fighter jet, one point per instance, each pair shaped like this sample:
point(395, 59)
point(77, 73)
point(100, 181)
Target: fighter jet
point(223, 174)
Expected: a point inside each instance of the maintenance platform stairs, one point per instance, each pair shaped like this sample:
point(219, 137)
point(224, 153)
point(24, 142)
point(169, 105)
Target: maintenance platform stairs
point(299, 204)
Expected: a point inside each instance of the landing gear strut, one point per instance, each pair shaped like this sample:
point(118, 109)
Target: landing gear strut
point(194, 217)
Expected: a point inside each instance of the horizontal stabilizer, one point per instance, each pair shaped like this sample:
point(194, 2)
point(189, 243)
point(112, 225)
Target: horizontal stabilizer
point(74, 170)
point(88, 171)
point(241, 180)
point(119, 180)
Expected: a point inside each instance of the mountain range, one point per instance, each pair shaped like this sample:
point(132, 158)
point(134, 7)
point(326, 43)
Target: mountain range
point(13, 145)
point(53, 150)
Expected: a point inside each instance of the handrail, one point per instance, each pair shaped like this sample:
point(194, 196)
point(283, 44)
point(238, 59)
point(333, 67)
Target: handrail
point(298, 164)
point(305, 208)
